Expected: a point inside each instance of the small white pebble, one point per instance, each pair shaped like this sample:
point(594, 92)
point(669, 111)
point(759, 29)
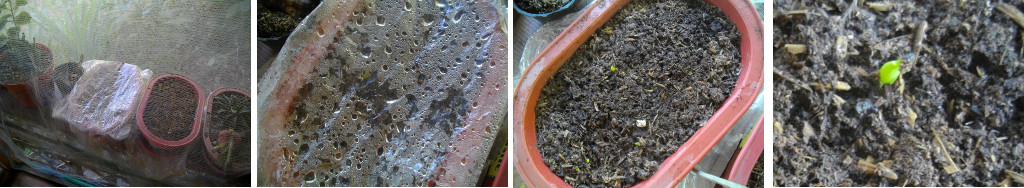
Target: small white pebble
point(641, 123)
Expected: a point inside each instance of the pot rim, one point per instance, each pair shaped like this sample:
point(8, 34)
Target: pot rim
point(741, 165)
point(161, 143)
point(674, 168)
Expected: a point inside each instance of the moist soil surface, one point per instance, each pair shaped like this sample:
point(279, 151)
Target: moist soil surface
point(540, 6)
point(632, 95)
point(171, 109)
point(952, 119)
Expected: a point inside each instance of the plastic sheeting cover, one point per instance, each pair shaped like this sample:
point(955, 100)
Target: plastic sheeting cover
point(408, 93)
point(104, 98)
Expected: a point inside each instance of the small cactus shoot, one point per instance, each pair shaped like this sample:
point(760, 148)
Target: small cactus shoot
point(889, 72)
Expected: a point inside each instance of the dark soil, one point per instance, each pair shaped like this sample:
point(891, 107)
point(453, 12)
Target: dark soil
point(953, 118)
point(277, 18)
point(171, 109)
point(230, 111)
point(674, 64)
point(540, 6)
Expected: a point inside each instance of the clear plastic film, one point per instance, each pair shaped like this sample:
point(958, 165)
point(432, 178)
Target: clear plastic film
point(103, 100)
point(82, 129)
point(405, 93)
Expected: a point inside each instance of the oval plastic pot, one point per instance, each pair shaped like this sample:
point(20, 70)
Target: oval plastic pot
point(561, 11)
point(676, 166)
point(208, 141)
point(159, 143)
point(24, 92)
point(742, 164)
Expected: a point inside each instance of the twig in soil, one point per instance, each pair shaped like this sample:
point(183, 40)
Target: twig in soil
point(1017, 177)
point(918, 43)
point(951, 167)
point(1012, 12)
point(880, 7)
point(790, 79)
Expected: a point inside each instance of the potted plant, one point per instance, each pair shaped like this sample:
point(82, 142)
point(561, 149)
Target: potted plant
point(169, 115)
point(23, 64)
point(671, 170)
point(226, 130)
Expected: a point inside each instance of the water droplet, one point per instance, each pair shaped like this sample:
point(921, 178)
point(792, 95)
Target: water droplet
point(365, 51)
point(309, 177)
point(380, 20)
point(427, 19)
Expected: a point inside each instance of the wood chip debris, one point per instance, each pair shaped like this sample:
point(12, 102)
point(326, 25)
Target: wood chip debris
point(796, 48)
point(881, 169)
point(842, 86)
point(880, 7)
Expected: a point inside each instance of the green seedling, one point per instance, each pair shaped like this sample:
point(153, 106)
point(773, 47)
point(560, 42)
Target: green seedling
point(889, 72)
point(614, 69)
point(588, 160)
point(637, 144)
point(577, 169)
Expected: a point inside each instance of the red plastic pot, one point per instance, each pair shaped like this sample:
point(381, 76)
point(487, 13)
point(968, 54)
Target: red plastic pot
point(159, 144)
point(742, 164)
point(223, 135)
point(24, 92)
point(674, 168)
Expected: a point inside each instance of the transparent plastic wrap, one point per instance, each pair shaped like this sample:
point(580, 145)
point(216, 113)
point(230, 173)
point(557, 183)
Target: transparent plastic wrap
point(204, 41)
point(103, 100)
point(394, 93)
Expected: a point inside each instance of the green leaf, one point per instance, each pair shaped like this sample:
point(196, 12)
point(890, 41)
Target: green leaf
point(22, 18)
point(614, 69)
point(21, 2)
point(4, 18)
point(14, 32)
point(889, 72)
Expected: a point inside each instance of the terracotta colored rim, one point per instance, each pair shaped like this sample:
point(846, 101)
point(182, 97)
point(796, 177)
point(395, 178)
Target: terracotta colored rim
point(673, 169)
point(743, 163)
point(146, 146)
point(209, 106)
point(158, 142)
point(501, 178)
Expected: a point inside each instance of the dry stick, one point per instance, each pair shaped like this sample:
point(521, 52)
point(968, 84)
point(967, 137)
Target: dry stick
point(1014, 14)
point(918, 43)
point(946, 153)
point(790, 79)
